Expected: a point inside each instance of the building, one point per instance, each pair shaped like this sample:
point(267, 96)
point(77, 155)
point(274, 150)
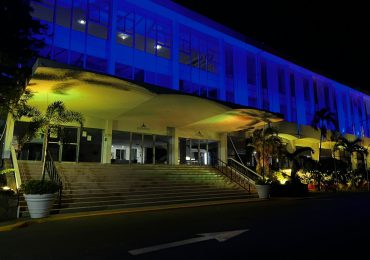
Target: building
point(158, 83)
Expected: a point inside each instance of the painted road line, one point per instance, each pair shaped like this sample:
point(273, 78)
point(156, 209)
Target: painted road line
point(219, 236)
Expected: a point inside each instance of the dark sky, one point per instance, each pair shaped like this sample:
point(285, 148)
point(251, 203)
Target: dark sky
point(331, 39)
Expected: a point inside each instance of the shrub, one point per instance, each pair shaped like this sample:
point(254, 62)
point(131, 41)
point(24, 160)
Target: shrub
point(39, 187)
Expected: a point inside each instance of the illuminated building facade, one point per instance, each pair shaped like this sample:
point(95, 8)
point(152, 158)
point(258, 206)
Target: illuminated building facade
point(162, 44)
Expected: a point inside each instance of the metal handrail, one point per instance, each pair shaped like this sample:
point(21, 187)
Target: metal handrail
point(243, 169)
point(53, 175)
point(235, 150)
point(235, 176)
point(17, 174)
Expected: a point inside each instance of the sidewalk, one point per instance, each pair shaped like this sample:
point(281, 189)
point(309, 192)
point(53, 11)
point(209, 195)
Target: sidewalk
point(24, 222)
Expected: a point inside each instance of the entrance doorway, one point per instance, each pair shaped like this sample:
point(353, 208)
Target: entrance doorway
point(197, 152)
point(139, 148)
point(64, 144)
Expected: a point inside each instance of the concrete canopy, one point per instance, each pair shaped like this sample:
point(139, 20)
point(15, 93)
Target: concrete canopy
point(108, 98)
point(307, 142)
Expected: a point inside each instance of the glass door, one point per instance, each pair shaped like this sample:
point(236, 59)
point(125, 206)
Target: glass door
point(64, 144)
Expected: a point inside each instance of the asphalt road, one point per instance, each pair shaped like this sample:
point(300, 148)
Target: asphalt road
point(336, 227)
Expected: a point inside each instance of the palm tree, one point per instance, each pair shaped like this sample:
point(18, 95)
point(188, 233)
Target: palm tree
point(294, 158)
point(56, 114)
point(267, 144)
point(322, 120)
point(350, 147)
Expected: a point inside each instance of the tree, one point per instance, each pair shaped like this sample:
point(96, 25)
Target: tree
point(267, 144)
point(56, 114)
point(322, 120)
point(350, 147)
point(295, 159)
point(19, 47)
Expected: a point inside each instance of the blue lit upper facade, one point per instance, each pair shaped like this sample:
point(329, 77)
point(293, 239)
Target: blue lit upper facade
point(160, 43)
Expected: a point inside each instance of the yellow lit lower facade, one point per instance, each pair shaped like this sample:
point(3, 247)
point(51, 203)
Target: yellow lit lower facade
point(128, 123)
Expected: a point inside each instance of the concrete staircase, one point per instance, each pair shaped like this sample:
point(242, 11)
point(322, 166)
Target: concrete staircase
point(93, 186)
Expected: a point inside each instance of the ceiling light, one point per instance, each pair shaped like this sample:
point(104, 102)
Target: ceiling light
point(123, 36)
point(81, 21)
point(158, 47)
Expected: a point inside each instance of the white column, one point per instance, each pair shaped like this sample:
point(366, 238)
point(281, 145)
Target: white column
point(174, 146)
point(8, 138)
point(222, 147)
point(107, 142)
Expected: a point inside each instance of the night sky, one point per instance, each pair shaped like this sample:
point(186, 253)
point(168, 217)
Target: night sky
point(331, 39)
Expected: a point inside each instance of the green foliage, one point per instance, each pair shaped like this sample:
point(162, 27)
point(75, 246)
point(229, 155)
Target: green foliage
point(40, 187)
point(3, 181)
point(263, 181)
point(322, 119)
point(267, 144)
point(18, 50)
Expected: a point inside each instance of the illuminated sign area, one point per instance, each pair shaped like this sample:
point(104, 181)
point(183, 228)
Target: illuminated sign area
point(161, 43)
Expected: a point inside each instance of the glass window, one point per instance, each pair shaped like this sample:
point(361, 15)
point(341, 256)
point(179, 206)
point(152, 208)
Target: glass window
point(123, 71)
point(251, 69)
point(316, 97)
point(120, 152)
point(125, 27)
point(77, 59)
point(79, 15)
point(306, 89)
point(281, 80)
point(213, 93)
point(96, 64)
point(264, 75)
point(198, 50)
point(161, 149)
point(229, 61)
point(326, 96)
point(252, 101)
point(294, 113)
point(43, 11)
point(61, 55)
point(90, 145)
point(292, 84)
point(63, 16)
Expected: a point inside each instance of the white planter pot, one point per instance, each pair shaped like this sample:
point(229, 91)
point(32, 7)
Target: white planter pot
point(263, 191)
point(39, 205)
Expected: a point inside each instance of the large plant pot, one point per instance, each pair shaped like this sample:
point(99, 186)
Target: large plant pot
point(39, 205)
point(263, 191)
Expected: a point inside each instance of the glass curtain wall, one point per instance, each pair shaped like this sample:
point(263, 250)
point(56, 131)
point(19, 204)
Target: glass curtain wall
point(66, 144)
point(139, 148)
point(197, 152)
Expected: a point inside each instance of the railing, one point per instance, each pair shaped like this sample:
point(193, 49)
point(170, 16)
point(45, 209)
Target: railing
point(17, 174)
point(235, 176)
point(243, 169)
point(53, 175)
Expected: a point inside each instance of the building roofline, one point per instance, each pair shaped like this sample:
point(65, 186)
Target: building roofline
point(182, 10)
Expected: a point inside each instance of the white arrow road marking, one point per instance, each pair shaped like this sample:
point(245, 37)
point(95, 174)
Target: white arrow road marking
point(219, 236)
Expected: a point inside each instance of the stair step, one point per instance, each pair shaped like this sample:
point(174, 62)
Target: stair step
point(94, 186)
point(144, 204)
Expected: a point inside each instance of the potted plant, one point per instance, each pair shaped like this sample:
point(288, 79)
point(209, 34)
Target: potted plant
point(40, 194)
point(263, 186)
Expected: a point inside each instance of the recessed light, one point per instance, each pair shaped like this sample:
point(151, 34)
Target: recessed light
point(81, 21)
point(123, 36)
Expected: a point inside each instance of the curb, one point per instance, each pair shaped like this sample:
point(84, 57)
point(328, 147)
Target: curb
point(52, 218)
point(13, 226)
